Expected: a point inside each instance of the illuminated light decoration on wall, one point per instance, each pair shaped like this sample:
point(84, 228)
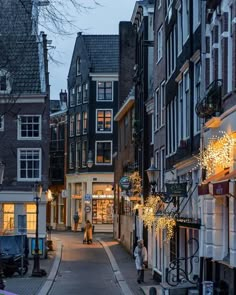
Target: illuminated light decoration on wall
point(136, 182)
point(149, 211)
point(217, 154)
point(168, 223)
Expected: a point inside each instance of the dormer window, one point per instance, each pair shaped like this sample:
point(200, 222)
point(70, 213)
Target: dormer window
point(5, 86)
point(78, 62)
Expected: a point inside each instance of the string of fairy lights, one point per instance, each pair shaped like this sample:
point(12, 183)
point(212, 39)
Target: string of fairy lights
point(216, 155)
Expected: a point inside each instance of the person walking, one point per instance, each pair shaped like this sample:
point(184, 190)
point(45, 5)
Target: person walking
point(140, 254)
point(76, 220)
point(88, 233)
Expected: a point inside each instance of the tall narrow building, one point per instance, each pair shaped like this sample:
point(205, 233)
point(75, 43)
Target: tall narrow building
point(92, 133)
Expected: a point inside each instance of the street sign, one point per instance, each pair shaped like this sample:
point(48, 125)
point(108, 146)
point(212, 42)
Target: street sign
point(22, 224)
point(87, 209)
point(125, 183)
point(88, 197)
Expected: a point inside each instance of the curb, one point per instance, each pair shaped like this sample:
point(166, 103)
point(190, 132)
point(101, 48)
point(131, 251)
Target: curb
point(50, 279)
point(118, 275)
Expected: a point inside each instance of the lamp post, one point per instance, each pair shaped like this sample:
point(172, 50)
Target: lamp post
point(37, 272)
point(153, 174)
point(2, 285)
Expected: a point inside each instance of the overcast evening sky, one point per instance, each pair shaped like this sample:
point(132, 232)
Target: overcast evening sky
point(101, 20)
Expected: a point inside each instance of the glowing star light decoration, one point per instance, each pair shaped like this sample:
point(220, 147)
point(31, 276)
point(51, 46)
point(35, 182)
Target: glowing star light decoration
point(217, 154)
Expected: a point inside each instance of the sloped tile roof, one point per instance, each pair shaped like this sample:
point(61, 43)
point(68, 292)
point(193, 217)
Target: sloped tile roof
point(15, 17)
point(19, 52)
point(103, 52)
point(20, 58)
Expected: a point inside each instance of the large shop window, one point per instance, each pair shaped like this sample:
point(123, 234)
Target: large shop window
point(102, 211)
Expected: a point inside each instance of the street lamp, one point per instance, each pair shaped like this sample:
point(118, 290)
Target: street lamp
point(37, 272)
point(2, 285)
point(153, 174)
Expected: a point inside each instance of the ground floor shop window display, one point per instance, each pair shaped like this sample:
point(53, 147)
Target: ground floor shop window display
point(102, 211)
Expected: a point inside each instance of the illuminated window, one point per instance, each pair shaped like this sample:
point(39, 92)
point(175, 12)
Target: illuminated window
point(8, 217)
point(104, 152)
point(104, 120)
point(104, 91)
point(31, 217)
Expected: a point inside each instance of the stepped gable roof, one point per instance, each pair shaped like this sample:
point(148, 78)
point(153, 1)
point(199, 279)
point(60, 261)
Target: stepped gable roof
point(103, 52)
point(20, 59)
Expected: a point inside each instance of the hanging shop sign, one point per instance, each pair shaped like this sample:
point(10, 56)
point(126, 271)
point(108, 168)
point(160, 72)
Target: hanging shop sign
point(176, 189)
point(125, 183)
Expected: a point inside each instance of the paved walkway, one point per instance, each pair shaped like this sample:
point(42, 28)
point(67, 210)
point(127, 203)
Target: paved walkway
point(122, 264)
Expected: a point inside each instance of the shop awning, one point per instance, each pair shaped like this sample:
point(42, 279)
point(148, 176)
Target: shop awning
point(203, 188)
point(219, 188)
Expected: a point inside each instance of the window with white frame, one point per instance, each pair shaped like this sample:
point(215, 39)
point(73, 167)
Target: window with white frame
point(162, 168)
point(71, 153)
point(85, 122)
point(78, 124)
point(186, 20)
point(104, 152)
point(104, 121)
point(163, 102)
point(29, 164)
point(171, 52)
point(180, 111)
point(186, 105)
point(180, 29)
point(159, 43)
point(196, 14)
point(85, 92)
point(159, 4)
point(157, 109)
point(78, 64)
point(79, 95)
point(29, 127)
point(72, 97)
point(84, 153)
point(104, 91)
point(78, 154)
point(1, 123)
point(153, 126)
point(72, 124)
point(197, 92)
point(171, 126)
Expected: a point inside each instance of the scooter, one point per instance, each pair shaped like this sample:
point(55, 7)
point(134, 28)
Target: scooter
point(13, 264)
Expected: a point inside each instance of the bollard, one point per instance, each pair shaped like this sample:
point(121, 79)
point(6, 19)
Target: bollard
point(152, 291)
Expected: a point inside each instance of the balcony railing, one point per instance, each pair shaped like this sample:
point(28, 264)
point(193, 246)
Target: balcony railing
point(211, 104)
